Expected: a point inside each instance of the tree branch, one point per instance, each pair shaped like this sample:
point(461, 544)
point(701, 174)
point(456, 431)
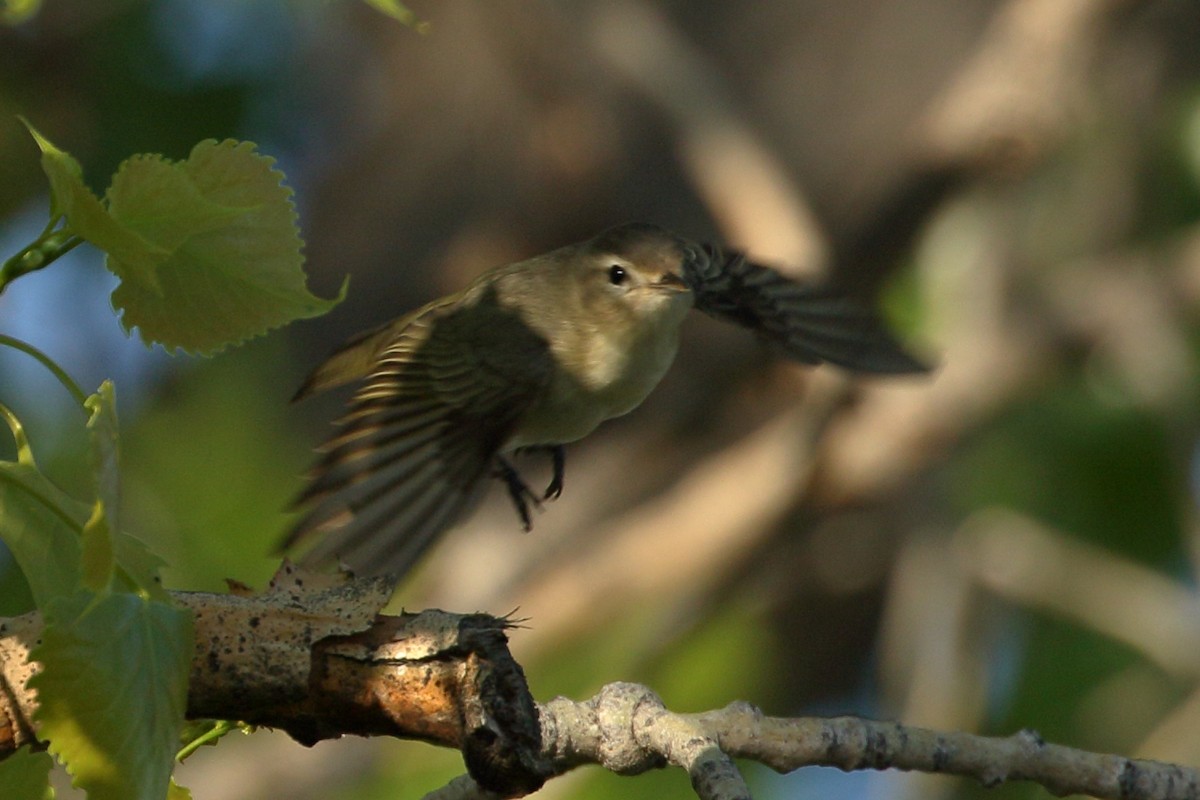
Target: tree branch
point(316, 659)
point(625, 728)
point(313, 656)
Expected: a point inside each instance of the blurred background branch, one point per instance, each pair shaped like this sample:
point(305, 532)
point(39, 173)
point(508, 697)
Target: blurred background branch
point(1010, 544)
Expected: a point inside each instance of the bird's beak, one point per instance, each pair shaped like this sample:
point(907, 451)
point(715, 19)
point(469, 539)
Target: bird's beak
point(670, 282)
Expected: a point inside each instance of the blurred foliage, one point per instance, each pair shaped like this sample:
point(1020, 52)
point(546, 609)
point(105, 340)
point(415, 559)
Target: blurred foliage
point(107, 619)
point(217, 515)
point(1110, 474)
point(16, 11)
point(1057, 292)
point(208, 255)
point(24, 774)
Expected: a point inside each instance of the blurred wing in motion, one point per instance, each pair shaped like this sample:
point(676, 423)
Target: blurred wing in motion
point(415, 449)
point(352, 361)
point(810, 323)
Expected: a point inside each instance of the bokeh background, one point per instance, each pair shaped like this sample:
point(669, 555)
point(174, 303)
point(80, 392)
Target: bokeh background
point(1011, 542)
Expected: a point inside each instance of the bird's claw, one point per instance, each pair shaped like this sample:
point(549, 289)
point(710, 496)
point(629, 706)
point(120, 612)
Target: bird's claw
point(558, 456)
point(558, 460)
point(518, 491)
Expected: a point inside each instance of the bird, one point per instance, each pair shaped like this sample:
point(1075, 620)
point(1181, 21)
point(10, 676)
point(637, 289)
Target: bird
point(534, 355)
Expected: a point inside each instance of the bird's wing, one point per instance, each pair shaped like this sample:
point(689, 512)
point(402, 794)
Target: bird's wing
point(352, 361)
point(810, 323)
point(417, 444)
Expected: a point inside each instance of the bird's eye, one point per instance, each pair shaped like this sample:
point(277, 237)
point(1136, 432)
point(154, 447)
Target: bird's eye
point(617, 275)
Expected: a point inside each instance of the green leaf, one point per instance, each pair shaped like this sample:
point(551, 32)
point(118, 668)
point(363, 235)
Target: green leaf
point(104, 545)
point(235, 264)
point(15, 596)
point(64, 172)
point(59, 542)
point(161, 201)
point(177, 792)
point(104, 445)
point(399, 12)
point(40, 524)
point(113, 691)
point(25, 775)
point(207, 249)
point(88, 218)
point(139, 567)
point(98, 559)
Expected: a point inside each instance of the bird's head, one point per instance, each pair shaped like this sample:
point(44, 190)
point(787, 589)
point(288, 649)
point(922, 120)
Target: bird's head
point(636, 270)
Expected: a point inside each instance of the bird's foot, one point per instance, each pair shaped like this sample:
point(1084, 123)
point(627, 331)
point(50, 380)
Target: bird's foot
point(558, 457)
point(520, 493)
point(558, 460)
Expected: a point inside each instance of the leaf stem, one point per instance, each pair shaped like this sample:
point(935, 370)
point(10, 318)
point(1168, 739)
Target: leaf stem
point(24, 453)
point(210, 736)
point(58, 372)
point(51, 245)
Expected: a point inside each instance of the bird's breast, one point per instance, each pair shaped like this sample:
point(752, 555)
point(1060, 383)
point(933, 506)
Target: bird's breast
point(599, 376)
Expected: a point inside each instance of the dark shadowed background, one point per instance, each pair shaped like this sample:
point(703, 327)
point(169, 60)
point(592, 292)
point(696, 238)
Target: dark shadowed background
point(1010, 543)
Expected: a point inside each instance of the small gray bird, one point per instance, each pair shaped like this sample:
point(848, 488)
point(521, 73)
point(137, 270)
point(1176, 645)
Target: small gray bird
point(534, 355)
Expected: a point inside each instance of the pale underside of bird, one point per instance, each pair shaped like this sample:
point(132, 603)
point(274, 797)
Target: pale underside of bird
point(536, 355)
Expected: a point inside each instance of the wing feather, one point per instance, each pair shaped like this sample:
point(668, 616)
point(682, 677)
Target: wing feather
point(809, 322)
point(416, 447)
